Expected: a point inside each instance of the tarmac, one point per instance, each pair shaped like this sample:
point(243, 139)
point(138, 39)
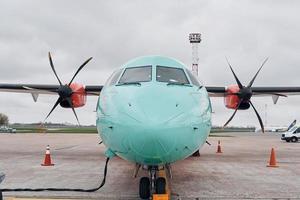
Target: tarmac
point(240, 172)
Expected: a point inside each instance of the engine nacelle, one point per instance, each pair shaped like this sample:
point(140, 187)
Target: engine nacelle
point(232, 101)
point(78, 97)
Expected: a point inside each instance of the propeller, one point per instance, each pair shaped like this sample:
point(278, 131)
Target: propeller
point(64, 91)
point(245, 93)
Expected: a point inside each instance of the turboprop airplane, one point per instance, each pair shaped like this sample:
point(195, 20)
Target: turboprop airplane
point(277, 128)
point(152, 111)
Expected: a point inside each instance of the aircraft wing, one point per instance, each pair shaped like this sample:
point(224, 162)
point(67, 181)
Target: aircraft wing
point(239, 96)
point(93, 90)
point(257, 91)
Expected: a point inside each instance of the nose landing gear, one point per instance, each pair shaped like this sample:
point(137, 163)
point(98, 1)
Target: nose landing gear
point(152, 184)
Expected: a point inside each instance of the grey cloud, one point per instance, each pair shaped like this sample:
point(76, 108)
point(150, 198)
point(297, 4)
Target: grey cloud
point(116, 31)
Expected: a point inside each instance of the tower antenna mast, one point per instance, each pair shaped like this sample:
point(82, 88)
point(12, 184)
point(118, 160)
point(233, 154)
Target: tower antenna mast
point(195, 39)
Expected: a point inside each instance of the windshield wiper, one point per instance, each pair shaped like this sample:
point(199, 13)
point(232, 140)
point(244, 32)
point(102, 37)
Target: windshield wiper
point(181, 84)
point(129, 83)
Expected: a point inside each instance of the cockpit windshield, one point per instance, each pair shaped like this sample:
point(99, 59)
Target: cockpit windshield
point(193, 78)
point(171, 75)
point(114, 78)
point(136, 75)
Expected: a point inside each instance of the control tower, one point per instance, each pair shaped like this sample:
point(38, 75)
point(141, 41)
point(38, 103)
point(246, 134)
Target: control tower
point(195, 39)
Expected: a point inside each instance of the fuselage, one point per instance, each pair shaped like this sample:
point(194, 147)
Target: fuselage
point(152, 111)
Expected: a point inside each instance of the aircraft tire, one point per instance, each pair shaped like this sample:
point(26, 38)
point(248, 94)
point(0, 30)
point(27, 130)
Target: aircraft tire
point(144, 188)
point(160, 185)
point(294, 139)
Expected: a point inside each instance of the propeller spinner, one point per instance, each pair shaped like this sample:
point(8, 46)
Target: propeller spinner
point(65, 91)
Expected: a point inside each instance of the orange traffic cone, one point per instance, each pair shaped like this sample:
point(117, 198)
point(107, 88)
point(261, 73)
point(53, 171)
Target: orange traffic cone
point(47, 161)
point(219, 150)
point(272, 162)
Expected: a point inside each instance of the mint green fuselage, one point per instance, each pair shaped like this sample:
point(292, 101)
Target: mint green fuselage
point(153, 123)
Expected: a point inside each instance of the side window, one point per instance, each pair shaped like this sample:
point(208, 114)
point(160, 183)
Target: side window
point(114, 78)
point(193, 78)
point(297, 131)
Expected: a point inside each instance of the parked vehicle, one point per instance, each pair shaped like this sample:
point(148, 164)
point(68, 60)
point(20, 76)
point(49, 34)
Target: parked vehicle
point(5, 129)
point(292, 135)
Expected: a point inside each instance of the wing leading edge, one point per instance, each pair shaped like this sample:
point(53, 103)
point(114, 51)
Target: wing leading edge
point(92, 90)
point(257, 91)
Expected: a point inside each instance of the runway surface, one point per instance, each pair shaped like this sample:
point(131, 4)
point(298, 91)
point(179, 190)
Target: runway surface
point(239, 173)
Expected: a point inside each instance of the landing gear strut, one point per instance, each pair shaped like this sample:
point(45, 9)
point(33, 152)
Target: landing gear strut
point(196, 154)
point(152, 184)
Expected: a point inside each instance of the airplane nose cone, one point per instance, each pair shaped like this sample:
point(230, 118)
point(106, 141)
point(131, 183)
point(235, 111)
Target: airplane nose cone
point(153, 143)
point(156, 106)
point(154, 124)
point(160, 118)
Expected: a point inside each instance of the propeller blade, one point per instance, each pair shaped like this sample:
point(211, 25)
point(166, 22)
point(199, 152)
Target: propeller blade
point(55, 105)
point(53, 69)
point(80, 68)
point(76, 116)
point(252, 81)
point(233, 113)
point(70, 102)
point(259, 118)
point(236, 78)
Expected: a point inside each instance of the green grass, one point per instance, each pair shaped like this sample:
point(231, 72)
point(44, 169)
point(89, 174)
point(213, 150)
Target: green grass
point(85, 130)
point(215, 132)
point(220, 135)
point(229, 129)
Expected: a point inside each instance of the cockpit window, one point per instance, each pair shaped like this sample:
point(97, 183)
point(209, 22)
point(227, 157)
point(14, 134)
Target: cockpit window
point(171, 75)
point(136, 74)
point(193, 78)
point(114, 77)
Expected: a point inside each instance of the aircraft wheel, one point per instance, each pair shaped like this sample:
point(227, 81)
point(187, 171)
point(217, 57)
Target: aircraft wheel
point(144, 188)
point(160, 185)
point(294, 139)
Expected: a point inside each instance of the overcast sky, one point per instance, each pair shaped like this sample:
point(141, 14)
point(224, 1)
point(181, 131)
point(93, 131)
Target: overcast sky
point(114, 32)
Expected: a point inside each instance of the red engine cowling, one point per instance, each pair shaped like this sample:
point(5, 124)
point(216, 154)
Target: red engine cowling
point(232, 101)
point(78, 97)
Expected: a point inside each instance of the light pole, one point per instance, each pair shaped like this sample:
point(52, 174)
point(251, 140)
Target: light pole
point(195, 39)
